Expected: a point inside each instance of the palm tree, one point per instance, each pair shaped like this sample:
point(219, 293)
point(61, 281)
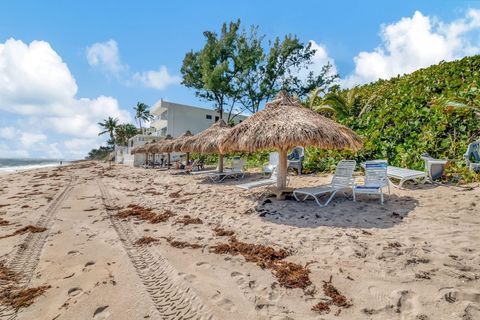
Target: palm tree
point(142, 113)
point(340, 105)
point(123, 132)
point(109, 126)
point(459, 103)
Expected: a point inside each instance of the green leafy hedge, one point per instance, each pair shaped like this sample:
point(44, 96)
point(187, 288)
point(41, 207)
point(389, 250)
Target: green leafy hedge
point(403, 117)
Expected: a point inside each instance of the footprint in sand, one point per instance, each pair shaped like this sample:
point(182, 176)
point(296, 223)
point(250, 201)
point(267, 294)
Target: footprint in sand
point(223, 302)
point(88, 264)
point(101, 313)
point(73, 292)
point(239, 278)
point(203, 264)
point(73, 253)
point(453, 295)
point(407, 303)
point(471, 312)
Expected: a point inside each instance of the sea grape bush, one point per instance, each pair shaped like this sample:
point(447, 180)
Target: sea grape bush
point(405, 117)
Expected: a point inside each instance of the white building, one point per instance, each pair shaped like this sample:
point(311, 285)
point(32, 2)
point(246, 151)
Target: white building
point(170, 119)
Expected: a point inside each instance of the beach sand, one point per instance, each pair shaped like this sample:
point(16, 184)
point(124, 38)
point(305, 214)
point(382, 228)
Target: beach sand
point(415, 257)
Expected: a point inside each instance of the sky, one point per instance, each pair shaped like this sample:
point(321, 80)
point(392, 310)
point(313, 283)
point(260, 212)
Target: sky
point(67, 65)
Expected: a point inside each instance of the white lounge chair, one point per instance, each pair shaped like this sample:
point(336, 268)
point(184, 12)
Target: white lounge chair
point(404, 175)
point(375, 180)
point(342, 179)
point(260, 183)
point(272, 163)
point(235, 172)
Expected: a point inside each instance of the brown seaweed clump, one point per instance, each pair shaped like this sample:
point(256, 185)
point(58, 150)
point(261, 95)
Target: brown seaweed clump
point(186, 219)
point(220, 232)
point(321, 307)
point(182, 244)
point(17, 298)
point(146, 240)
point(143, 213)
point(288, 274)
point(4, 222)
point(338, 299)
point(26, 229)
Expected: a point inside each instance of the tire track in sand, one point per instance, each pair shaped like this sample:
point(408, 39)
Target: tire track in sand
point(26, 258)
point(170, 295)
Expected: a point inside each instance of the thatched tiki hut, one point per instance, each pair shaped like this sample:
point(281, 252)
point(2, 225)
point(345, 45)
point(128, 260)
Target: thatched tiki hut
point(208, 141)
point(141, 149)
point(161, 147)
point(284, 124)
point(176, 145)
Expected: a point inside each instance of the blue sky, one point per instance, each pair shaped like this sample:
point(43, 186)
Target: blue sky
point(72, 63)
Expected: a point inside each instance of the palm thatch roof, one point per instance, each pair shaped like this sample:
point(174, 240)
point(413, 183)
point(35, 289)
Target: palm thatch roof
point(176, 144)
point(207, 141)
point(158, 147)
point(283, 124)
point(140, 149)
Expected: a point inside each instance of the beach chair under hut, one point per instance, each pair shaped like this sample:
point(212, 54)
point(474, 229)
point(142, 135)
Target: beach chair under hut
point(283, 124)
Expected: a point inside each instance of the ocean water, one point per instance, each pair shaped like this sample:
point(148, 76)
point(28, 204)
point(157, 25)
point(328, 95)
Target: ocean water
point(12, 165)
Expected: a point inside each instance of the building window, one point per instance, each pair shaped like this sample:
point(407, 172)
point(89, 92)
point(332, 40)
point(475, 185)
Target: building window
point(208, 116)
point(239, 121)
point(217, 118)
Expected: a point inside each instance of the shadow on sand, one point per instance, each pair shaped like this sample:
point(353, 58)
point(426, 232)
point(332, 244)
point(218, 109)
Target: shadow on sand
point(342, 212)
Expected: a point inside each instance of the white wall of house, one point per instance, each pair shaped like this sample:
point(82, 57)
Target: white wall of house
point(175, 119)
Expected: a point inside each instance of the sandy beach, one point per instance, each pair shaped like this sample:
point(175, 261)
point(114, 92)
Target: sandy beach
point(131, 243)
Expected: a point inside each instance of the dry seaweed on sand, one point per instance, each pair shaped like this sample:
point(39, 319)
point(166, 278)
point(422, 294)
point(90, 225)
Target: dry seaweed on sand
point(186, 219)
point(143, 213)
point(288, 274)
point(321, 307)
point(220, 232)
point(17, 298)
point(146, 240)
point(29, 228)
point(6, 274)
point(4, 222)
point(338, 299)
point(182, 244)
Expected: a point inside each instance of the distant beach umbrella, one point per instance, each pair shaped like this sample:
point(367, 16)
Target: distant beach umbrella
point(284, 124)
point(208, 141)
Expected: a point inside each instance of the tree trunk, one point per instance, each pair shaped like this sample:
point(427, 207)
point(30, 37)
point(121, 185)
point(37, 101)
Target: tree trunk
point(220, 163)
point(282, 170)
point(168, 160)
point(188, 158)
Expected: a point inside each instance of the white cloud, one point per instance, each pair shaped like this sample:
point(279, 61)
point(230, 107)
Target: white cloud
point(159, 79)
point(414, 43)
point(105, 56)
point(37, 85)
point(9, 152)
point(321, 58)
point(28, 139)
point(33, 76)
point(7, 133)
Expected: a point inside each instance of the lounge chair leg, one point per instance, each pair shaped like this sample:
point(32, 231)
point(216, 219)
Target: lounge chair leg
point(381, 198)
point(354, 198)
